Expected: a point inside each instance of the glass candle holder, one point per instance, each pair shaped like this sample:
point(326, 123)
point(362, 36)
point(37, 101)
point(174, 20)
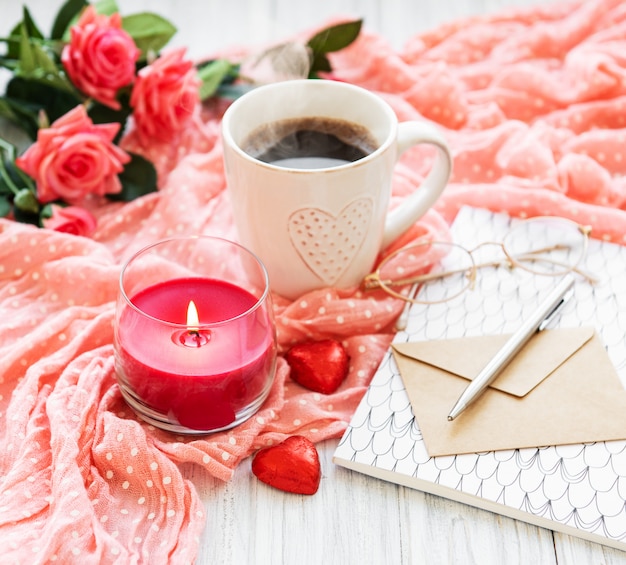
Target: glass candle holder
point(195, 340)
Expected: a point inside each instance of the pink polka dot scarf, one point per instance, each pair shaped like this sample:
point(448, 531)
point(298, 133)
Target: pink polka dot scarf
point(533, 103)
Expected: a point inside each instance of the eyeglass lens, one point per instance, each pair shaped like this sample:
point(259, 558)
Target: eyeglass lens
point(547, 246)
point(450, 265)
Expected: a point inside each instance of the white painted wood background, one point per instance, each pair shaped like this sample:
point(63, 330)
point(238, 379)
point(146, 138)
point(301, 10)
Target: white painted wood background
point(353, 519)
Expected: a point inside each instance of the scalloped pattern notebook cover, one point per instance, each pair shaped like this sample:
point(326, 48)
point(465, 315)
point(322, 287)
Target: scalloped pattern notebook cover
point(576, 489)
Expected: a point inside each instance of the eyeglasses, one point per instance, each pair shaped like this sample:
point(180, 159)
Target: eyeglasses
point(543, 245)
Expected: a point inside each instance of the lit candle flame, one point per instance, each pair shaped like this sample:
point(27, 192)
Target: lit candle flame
point(193, 321)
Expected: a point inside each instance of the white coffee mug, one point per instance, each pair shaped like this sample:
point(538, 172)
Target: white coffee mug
point(322, 227)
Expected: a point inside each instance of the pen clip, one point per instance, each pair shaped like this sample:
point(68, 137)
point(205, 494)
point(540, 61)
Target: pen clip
point(554, 310)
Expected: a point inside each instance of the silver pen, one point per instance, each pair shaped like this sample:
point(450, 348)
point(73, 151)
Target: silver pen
point(511, 348)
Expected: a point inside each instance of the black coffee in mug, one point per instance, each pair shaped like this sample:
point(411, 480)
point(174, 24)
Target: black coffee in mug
point(309, 143)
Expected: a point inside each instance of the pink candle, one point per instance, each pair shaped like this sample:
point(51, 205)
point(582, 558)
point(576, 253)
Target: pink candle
point(201, 376)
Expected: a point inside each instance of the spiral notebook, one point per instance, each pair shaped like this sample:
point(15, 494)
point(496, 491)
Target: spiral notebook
point(574, 489)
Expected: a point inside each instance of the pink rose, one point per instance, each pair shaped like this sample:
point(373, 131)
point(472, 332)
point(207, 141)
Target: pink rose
point(73, 158)
point(70, 219)
point(165, 96)
point(100, 57)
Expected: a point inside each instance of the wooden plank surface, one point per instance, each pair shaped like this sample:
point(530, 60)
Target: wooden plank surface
point(357, 520)
point(353, 519)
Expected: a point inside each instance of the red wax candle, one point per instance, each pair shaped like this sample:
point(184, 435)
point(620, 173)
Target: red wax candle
point(200, 379)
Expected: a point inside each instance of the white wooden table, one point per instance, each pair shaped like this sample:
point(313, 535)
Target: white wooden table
point(353, 519)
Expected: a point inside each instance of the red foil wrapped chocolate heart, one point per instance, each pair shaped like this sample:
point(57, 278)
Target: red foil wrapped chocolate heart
point(320, 366)
point(293, 466)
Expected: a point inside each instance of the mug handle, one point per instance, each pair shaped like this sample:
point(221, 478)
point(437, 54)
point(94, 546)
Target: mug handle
point(400, 219)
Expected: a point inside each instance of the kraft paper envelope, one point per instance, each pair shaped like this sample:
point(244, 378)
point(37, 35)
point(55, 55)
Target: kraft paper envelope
point(560, 389)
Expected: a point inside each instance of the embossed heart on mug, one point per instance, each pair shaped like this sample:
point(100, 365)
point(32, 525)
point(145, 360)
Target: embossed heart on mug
point(327, 244)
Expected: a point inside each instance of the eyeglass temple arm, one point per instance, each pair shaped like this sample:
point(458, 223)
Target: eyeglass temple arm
point(403, 318)
point(373, 281)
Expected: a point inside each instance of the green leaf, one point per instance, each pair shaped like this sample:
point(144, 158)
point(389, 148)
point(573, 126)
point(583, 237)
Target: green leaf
point(27, 58)
point(150, 31)
point(331, 39)
point(25, 27)
point(234, 91)
point(101, 114)
point(35, 63)
point(7, 186)
point(107, 7)
point(5, 191)
point(29, 24)
point(46, 212)
point(28, 96)
point(26, 201)
point(13, 44)
point(7, 148)
point(68, 13)
point(320, 63)
point(19, 177)
point(12, 52)
point(8, 63)
point(6, 111)
point(24, 116)
point(138, 179)
point(335, 37)
point(5, 206)
point(213, 74)
point(44, 63)
point(25, 217)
